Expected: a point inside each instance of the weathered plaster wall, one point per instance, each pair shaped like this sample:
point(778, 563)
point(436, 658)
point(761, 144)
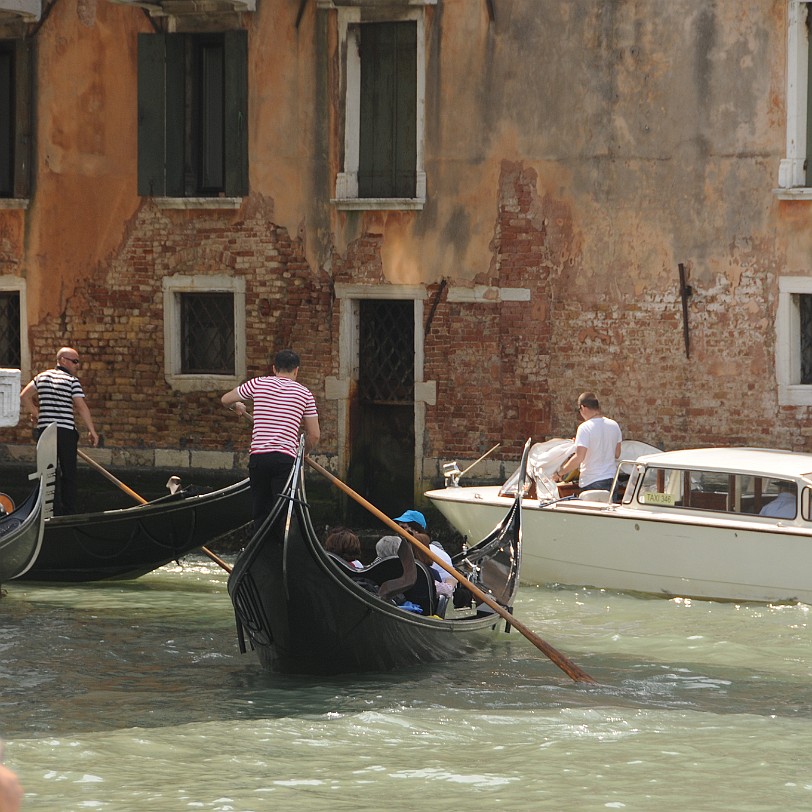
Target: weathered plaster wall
point(575, 150)
point(85, 187)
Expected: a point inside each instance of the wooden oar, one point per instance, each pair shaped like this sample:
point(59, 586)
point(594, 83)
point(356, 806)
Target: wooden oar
point(566, 665)
point(140, 499)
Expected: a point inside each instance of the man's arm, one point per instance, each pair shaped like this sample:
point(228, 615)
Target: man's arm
point(312, 433)
point(84, 413)
point(572, 463)
point(29, 401)
point(232, 401)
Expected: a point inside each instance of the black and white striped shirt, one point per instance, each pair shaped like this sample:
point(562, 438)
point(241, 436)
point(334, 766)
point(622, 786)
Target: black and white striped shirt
point(56, 389)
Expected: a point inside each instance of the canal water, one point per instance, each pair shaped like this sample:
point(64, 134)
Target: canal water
point(133, 696)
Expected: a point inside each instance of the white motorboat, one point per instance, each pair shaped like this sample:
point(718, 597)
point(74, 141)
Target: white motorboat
point(717, 523)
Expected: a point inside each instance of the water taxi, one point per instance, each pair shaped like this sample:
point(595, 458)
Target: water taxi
point(715, 523)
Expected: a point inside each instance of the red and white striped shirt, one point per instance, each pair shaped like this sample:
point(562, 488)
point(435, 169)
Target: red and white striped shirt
point(280, 404)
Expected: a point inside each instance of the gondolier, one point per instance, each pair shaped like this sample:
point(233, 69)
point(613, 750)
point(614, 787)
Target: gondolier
point(282, 407)
point(54, 396)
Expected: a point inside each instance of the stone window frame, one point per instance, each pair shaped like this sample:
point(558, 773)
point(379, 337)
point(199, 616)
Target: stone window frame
point(349, 16)
point(788, 342)
point(792, 171)
point(173, 287)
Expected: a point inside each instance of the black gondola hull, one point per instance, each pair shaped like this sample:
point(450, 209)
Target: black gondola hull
point(22, 530)
point(127, 543)
point(305, 614)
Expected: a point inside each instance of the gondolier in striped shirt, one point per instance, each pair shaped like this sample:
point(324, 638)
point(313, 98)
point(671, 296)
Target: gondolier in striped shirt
point(282, 407)
point(55, 395)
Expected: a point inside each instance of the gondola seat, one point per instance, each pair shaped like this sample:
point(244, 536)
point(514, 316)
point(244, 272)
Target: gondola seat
point(422, 592)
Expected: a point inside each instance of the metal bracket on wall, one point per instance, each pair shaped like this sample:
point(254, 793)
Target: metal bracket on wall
point(685, 292)
point(302, 4)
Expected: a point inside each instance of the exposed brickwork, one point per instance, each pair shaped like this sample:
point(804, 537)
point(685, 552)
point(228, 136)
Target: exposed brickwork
point(585, 201)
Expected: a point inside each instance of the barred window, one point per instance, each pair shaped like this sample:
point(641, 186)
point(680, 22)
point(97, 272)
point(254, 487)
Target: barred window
point(10, 353)
point(805, 337)
point(207, 333)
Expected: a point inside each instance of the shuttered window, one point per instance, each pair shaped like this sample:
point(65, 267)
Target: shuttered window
point(15, 118)
point(192, 111)
point(388, 135)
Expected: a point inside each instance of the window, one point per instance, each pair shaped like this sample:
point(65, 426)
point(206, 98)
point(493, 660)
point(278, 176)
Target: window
point(14, 352)
point(10, 345)
point(793, 341)
point(192, 106)
point(207, 333)
point(387, 138)
point(717, 491)
point(15, 118)
point(204, 331)
point(384, 99)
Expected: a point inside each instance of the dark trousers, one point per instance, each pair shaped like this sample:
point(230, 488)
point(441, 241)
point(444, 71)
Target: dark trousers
point(268, 474)
point(67, 441)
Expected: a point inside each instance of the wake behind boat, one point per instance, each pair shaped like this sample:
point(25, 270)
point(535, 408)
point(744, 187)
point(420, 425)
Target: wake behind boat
point(21, 530)
point(306, 613)
point(718, 523)
point(129, 542)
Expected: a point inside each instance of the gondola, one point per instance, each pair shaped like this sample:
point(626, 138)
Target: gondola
point(305, 612)
point(129, 542)
point(21, 530)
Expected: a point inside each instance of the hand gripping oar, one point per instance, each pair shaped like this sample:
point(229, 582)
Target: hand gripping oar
point(140, 499)
point(566, 665)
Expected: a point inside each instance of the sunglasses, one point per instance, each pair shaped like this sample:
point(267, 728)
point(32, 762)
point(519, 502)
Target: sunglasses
point(72, 360)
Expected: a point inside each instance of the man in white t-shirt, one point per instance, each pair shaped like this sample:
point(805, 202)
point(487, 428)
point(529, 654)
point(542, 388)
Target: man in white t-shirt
point(597, 447)
point(282, 407)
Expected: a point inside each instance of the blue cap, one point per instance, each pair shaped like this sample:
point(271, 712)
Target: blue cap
point(412, 517)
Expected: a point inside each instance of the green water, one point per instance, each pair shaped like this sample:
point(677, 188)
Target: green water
point(134, 696)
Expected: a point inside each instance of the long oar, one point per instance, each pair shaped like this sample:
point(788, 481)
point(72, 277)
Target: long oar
point(566, 665)
point(140, 499)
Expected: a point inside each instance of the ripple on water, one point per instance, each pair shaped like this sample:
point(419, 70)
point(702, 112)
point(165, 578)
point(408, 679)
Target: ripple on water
point(133, 696)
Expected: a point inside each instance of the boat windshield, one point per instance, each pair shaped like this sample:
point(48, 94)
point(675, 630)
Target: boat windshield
point(716, 491)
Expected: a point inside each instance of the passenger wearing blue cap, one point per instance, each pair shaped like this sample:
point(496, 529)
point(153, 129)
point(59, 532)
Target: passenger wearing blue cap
point(415, 521)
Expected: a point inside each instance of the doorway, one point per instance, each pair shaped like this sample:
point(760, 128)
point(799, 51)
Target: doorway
point(382, 413)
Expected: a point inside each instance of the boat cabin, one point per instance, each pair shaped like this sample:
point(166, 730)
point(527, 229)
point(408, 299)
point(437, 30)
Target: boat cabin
point(753, 482)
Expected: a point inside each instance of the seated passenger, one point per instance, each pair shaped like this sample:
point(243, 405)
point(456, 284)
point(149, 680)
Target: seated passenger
point(415, 522)
point(343, 543)
point(424, 593)
point(784, 505)
point(386, 547)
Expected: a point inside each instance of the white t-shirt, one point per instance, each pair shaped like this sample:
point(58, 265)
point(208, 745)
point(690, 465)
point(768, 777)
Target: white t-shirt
point(600, 436)
point(441, 553)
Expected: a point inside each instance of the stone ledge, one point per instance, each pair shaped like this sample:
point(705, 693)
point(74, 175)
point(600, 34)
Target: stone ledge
point(169, 459)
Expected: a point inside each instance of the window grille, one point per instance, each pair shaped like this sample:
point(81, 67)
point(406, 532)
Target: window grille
point(386, 352)
point(207, 333)
point(10, 355)
point(805, 308)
